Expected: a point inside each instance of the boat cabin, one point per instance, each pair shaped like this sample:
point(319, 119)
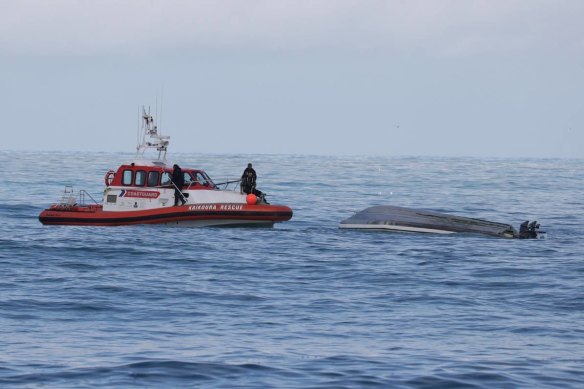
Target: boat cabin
point(144, 176)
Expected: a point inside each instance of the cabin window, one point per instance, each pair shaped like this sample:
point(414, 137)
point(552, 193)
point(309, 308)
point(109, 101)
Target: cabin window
point(208, 179)
point(127, 177)
point(140, 178)
point(153, 178)
point(195, 178)
point(165, 180)
point(188, 178)
point(201, 179)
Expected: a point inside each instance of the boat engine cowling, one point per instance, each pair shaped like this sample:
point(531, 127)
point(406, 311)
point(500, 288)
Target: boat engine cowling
point(529, 230)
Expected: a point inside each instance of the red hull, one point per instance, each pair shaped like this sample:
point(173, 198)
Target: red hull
point(195, 214)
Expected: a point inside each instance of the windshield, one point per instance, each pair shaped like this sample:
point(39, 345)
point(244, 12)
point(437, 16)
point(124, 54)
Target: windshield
point(201, 178)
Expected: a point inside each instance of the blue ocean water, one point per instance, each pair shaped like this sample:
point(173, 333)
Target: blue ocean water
point(305, 304)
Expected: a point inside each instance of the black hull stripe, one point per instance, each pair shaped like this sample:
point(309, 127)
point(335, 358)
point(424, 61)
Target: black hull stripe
point(174, 217)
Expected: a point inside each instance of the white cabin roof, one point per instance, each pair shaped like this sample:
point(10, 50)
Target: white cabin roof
point(148, 162)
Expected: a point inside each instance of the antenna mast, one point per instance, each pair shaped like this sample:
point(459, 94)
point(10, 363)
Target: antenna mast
point(151, 139)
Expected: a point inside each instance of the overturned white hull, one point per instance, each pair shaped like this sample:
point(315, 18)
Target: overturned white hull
point(392, 218)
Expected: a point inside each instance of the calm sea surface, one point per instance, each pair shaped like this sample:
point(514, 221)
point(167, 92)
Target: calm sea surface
point(302, 305)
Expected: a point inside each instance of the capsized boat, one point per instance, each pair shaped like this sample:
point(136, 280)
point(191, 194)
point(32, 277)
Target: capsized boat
point(142, 192)
point(392, 218)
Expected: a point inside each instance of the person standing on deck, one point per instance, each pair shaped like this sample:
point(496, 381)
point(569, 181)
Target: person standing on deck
point(178, 179)
point(248, 180)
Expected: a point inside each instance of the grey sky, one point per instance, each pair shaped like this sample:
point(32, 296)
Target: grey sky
point(468, 78)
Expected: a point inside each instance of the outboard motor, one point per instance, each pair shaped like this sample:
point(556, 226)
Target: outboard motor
point(528, 230)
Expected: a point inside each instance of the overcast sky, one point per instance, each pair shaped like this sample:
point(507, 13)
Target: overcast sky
point(440, 78)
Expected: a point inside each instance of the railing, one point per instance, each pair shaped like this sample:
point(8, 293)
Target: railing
point(82, 194)
point(225, 185)
point(69, 199)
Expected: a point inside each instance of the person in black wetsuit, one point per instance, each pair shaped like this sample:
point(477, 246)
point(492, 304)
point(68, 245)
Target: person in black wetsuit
point(248, 180)
point(248, 183)
point(178, 179)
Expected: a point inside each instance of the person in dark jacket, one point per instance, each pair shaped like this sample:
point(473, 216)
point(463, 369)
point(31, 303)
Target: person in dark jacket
point(248, 180)
point(178, 179)
point(248, 183)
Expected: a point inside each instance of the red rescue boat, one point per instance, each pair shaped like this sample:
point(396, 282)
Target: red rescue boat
point(142, 192)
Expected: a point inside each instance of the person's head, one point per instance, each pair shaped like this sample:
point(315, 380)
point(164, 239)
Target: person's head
point(249, 165)
point(175, 167)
